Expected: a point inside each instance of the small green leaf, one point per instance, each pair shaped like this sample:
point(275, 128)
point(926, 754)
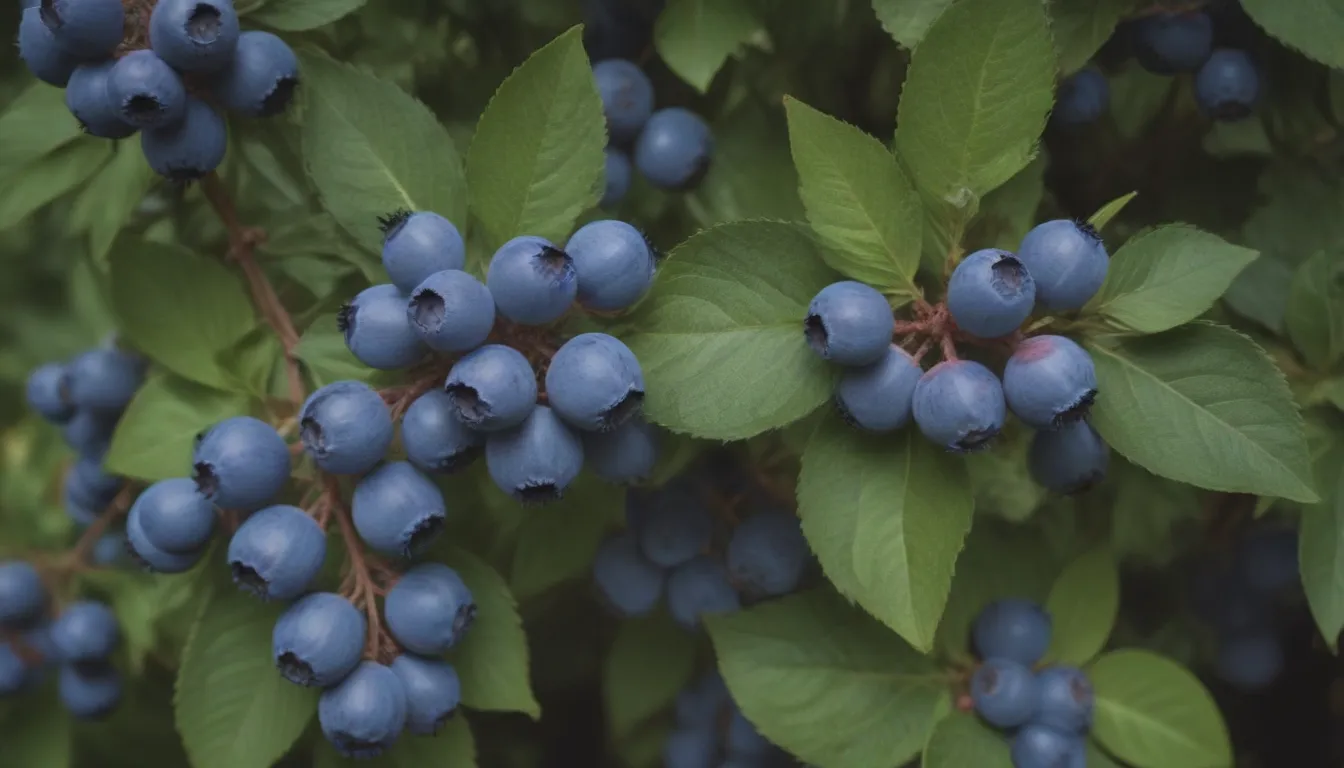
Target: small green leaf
point(1153, 713)
point(300, 15)
point(451, 747)
point(1321, 544)
point(559, 544)
point(35, 124)
point(960, 740)
point(826, 682)
point(1260, 292)
point(1109, 211)
point(156, 434)
point(1315, 309)
point(907, 21)
point(1083, 603)
point(111, 197)
point(1314, 27)
point(50, 177)
point(695, 37)
point(1081, 27)
point(649, 663)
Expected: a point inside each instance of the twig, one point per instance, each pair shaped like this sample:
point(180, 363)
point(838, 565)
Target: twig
point(78, 556)
point(358, 582)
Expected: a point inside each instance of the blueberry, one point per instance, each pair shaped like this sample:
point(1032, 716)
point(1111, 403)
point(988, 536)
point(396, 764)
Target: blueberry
point(363, 715)
point(675, 526)
point(48, 393)
point(89, 691)
point(849, 323)
point(37, 47)
point(492, 388)
point(173, 517)
point(277, 552)
point(878, 396)
point(86, 98)
point(22, 595)
point(89, 432)
point(1228, 85)
point(1268, 560)
point(535, 461)
point(15, 675)
point(675, 149)
point(1250, 660)
point(627, 97)
point(145, 91)
point(1013, 629)
point(89, 485)
point(702, 703)
point(1221, 596)
point(377, 331)
point(959, 404)
point(1049, 381)
point(397, 510)
point(990, 293)
point(104, 379)
point(346, 427)
point(430, 609)
point(85, 631)
point(630, 584)
point(109, 549)
point(241, 463)
point(1039, 746)
point(767, 554)
point(190, 148)
point(416, 245)
point(1005, 693)
point(451, 311)
point(532, 281)
point(1083, 98)
point(195, 35)
point(1067, 260)
point(700, 587)
point(614, 263)
point(39, 641)
point(1069, 460)
point(150, 557)
point(84, 28)
point(260, 78)
point(318, 640)
point(625, 454)
point(82, 512)
point(1167, 43)
point(617, 178)
point(594, 382)
point(435, 438)
point(691, 748)
point(1066, 699)
point(433, 692)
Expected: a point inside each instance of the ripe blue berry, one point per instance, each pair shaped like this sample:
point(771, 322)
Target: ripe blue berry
point(241, 463)
point(1069, 460)
point(1221, 596)
point(429, 610)
point(1268, 559)
point(535, 461)
point(260, 78)
point(990, 293)
point(1005, 693)
point(674, 149)
point(150, 557)
point(767, 554)
point(110, 549)
point(627, 97)
point(594, 382)
point(1083, 98)
point(691, 748)
point(363, 715)
point(614, 264)
point(416, 245)
point(346, 427)
point(22, 596)
point(702, 702)
point(48, 393)
point(1067, 260)
point(89, 432)
point(1049, 381)
point(630, 584)
point(190, 148)
point(15, 675)
point(86, 98)
point(397, 510)
point(86, 29)
point(435, 438)
point(1039, 746)
point(675, 526)
point(1013, 629)
point(145, 91)
point(317, 641)
point(86, 631)
point(451, 311)
point(433, 692)
point(1066, 699)
point(277, 552)
point(104, 379)
point(1228, 85)
point(492, 388)
point(626, 454)
point(878, 396)
point(194, 35)
point(37, 47)
point(617, 178)
point(377, 331)
point(1250, 659)
point(173, 517)
point(89, 691)
point(959, 404)
point(88, 485)
point(532, 281)
point(849, 323)
point(1167, 43)
point(699, 588)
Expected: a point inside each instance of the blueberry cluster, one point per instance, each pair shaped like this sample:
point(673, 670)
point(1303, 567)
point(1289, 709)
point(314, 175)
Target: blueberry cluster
point(711, 732)
point(593, 385)
point(1049, 382)
point(1049, 709)
point(81, 640)
point(164, 76)
point(672, 147)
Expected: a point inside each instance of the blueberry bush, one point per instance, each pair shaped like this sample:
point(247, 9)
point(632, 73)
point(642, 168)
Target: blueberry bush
point(681, 383)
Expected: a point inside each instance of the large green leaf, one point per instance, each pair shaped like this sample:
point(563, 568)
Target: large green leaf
point(695, 37)
point(1321, 542)
point(1315, 310)
point(452, 747)
point(1082, 26)
point(1314, 27)
point(156, 434)
point(887, 517)
point(720, 335)
point(39, 733)
point(299, 15)
point(651, 660)
point(50, 177)
point(826, 682)
point(961, 740)
point(1204, 405)
point(752, 175)
point(1083, 604)
point(560, 543)
point(111, 197)
point(34, 124)
point(908, 20)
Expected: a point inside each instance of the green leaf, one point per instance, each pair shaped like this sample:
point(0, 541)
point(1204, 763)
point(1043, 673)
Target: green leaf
point(393, 152)
point(1109, 211)
point(858, 199)
point(1321, 545)
point(50, 177)
point(886, 516)
point(720, 335)
point(156, 434)
point(111, 197)
point(1168, 276)
point(559, 543)
point(1147, 513)
point(178, 307)
point(492, 661)
point(1137, 96)
point(1083, 603)
point(233, 710)
point(299, 15)
point(1315, 309)
point(649, 663)
point(1314, 27)
point(536, 161)
point(970, 115)
point(960, 740)
point(34, 125)
point(907, 21)
point(1204, 405)
point(695, 37)
point(1152, 713)
point(752, 175)
point(451, 747)
point(326, 357)
point(1260, 292)
point(1006, 214)
point(826, 682)
point(38, 733)
point(1082, 26)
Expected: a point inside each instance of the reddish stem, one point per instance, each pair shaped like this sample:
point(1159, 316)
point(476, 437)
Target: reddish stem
point(359, 585)
point(77, 558)
point(949, 347)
